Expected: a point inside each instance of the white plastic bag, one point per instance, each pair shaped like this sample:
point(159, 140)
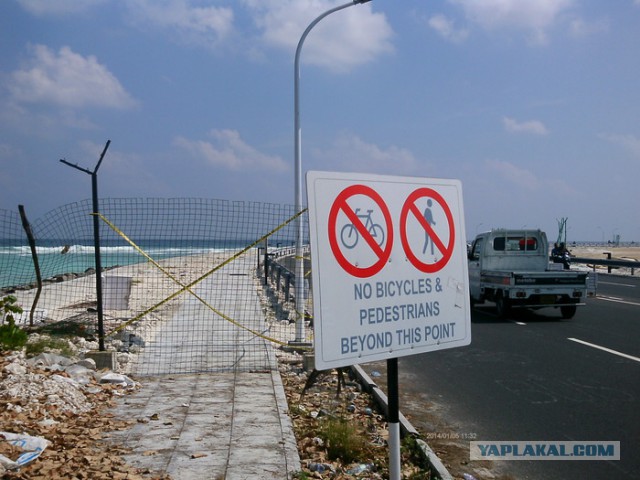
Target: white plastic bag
point(33, 447)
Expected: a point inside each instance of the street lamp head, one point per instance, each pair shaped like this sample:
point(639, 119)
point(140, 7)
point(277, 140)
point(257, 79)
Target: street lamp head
point(355, 2)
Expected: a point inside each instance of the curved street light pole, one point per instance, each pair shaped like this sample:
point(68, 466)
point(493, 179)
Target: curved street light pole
point(392, 364)
point(299, 261)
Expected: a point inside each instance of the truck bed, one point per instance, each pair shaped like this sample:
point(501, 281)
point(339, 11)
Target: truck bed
point(546, 278)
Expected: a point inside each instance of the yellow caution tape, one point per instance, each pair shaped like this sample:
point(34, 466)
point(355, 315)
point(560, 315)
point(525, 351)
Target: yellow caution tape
point(198, 280)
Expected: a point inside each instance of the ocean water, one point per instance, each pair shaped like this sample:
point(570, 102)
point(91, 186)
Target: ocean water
point(58, 257)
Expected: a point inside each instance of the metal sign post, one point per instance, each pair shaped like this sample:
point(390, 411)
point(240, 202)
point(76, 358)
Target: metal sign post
point(393, 419)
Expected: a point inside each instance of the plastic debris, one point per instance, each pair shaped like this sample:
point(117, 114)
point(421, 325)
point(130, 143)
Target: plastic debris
point(320, 467)
point(361, 468)
point(468, 476)
point(80, 374)
point(117, 379)
point(50, 360)
point(33, 447)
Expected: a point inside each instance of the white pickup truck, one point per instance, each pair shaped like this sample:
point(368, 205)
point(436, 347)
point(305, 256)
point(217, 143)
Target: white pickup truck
point(512, 269)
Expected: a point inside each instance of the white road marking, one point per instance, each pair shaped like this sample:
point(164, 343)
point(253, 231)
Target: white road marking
point(518, 323)
point(605, 349)
point(618, 300)
point(616, 284)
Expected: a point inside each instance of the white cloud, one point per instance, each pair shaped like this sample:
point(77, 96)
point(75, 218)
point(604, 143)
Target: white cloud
point(445, 27)
point(57, 7)
point(42, 122)
point(228, 150)
point(350, 152)
point(514, 175)
point(628, 142)
point(124, 171)
point(7, 151)
point(343, 40)
point(534, 127)
point(509, 175)
point(208, 26)
point(346, 39)
point(67, 79)
point(581, 28)
point(534, 16)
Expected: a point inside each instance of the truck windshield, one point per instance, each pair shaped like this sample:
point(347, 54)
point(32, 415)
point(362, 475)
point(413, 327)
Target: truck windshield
point(515, 244)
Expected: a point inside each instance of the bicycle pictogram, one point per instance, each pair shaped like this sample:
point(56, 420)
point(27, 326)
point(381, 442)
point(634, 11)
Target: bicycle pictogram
point(347, 226)
point(349, 235)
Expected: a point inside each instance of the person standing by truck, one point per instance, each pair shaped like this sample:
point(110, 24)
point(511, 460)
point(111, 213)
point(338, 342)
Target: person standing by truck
point(560, 254)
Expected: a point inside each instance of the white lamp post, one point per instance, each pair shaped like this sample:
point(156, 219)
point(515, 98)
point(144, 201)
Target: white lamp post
point(299, 261)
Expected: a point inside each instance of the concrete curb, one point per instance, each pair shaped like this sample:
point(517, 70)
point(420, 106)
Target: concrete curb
point(290, 447)
point(405, 426)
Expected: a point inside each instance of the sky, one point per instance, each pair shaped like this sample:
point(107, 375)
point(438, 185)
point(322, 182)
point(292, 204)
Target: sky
point(533, 105)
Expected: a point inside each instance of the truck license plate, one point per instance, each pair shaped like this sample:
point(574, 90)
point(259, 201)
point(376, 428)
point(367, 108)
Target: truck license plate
point(548, 299)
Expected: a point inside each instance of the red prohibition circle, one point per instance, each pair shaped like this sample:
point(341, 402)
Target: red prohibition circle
point(382, 252)
point(446, 250)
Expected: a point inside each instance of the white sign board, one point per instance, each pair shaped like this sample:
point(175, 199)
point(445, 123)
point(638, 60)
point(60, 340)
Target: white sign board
point(389, 267)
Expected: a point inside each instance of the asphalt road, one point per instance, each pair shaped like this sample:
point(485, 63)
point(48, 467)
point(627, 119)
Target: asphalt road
point(534, 378)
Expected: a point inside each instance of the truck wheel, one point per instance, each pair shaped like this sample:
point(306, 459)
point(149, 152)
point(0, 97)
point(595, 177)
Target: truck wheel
point(568, 311)
point(503, 307)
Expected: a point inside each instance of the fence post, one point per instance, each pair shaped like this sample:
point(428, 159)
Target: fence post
point(287, 280)
point(96, 240)
point(608, 254)
point(36, 263)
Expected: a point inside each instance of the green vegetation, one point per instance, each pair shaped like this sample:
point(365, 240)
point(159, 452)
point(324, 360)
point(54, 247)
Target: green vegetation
point(412, 453)
point(343, 440)
point(8, 308)
point(12, 337)
point(49, 344)
point(55, 338)
point(301, 476)
point(68, 328)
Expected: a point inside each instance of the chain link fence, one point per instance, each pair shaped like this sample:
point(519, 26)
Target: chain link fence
point(181, 278)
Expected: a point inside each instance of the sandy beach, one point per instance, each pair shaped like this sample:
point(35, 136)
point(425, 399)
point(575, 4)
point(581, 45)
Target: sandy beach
point(602, 253)
point(623, 253)
point(150, 285)
point(74, 301)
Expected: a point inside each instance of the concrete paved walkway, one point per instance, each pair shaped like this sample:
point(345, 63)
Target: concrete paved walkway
point(231, 423)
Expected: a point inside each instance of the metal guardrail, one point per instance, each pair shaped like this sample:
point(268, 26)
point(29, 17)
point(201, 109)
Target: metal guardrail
point(610, 263)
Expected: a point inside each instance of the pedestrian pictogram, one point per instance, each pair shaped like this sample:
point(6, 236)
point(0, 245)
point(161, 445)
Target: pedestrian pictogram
point(360, 237)
point(434, 247)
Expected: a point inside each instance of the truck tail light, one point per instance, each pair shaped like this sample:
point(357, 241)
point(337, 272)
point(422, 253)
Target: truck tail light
point(577, 293)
